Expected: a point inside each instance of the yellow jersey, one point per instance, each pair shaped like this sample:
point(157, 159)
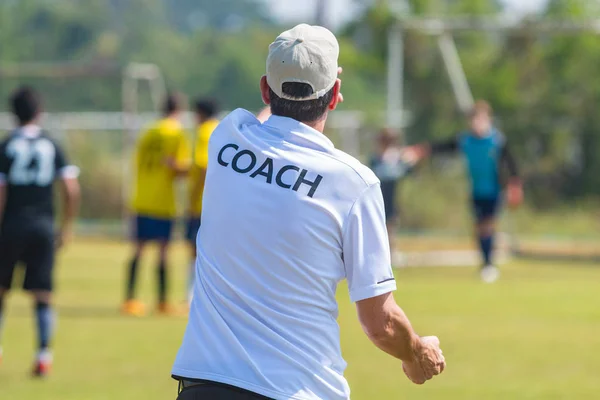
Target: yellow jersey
point(154, 193)
point(200, 163)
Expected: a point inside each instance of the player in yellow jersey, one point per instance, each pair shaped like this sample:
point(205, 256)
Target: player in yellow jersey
point(206, 118)
point(162, 155)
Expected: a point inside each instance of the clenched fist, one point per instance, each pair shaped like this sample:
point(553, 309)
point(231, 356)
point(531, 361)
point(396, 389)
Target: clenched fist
point(427, 362)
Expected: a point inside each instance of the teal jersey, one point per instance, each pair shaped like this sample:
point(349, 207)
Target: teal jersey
point(485, 158)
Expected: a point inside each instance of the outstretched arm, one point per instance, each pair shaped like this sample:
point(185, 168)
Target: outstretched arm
point(508, 161)
point(416, 153)
point(514, 189)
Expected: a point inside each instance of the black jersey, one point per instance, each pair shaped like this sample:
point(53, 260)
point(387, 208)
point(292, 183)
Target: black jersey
point(30, 162)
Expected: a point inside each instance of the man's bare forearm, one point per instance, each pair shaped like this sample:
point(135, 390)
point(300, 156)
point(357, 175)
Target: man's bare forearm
point(71, 200)
point(388, 327)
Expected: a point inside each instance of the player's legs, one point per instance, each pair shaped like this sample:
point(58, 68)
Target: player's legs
point(485, 228)
point(162, 229)
point(162, 272)
point(11, 246)
point(45, 322)
point(132, 271)
point(486, 232)
point(39, 264)
point(131, 305)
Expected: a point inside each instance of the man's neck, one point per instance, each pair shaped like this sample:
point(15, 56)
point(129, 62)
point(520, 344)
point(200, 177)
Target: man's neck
point(30, 129)
point(317, 125)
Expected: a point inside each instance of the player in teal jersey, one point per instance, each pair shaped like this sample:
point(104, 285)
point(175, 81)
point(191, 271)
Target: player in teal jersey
point(492, 171)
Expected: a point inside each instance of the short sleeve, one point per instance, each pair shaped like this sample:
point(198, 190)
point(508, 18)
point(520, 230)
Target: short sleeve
point(64, 169)
point(366, 248)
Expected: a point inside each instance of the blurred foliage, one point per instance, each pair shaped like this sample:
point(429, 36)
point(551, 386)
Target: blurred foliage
point(542, 87)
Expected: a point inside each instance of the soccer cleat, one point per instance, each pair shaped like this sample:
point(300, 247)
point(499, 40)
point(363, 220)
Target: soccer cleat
point(133, 308)
point(43, 364)
point(489, 274)
point(167, 310)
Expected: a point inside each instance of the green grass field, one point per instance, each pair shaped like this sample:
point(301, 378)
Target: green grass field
point(533, 335)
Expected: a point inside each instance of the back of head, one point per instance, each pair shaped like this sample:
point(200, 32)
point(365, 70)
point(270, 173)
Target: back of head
point(481, 118)
point(302, 69)
point(206, 108)
point(481, 107)
point(387, 137)
point(174, 103)
point(25, 104)
point(304, 111)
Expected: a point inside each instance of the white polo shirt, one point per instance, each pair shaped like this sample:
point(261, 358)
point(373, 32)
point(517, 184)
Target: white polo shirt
point(285, 218)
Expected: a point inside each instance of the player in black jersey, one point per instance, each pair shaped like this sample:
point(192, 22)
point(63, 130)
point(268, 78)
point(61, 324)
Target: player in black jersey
point(30, 163)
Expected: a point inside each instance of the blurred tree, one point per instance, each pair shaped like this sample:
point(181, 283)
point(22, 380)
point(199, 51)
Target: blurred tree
point(542, 86)
point(225, 15)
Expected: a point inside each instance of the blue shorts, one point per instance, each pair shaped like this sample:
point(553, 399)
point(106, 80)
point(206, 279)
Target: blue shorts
point(486, 208)
point(152, 229)
point(191, 231)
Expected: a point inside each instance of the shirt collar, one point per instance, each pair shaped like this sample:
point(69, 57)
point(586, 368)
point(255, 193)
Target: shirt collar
point(29, 130)
point(298, 133)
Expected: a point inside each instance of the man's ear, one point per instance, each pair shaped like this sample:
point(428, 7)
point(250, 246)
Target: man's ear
point(264, 90)
point(335, 100)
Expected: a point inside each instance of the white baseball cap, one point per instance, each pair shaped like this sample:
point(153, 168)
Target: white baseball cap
point(304, 54)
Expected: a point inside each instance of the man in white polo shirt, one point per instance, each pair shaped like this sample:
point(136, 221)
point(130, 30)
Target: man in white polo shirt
point(286, 218)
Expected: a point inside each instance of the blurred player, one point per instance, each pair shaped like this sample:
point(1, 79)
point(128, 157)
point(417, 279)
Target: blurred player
point(162, 155)
point(206, 117)
point(390, 165)
point(488, 158)
point(30, 163)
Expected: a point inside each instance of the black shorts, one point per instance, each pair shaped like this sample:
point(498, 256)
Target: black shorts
point(485, 209)
point(31, 244)
point(207, 390)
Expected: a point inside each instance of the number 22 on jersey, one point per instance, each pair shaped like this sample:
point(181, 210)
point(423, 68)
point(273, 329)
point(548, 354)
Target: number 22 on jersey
point(33, 162)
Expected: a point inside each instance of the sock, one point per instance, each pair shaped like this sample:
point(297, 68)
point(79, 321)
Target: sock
point(486, 243)
point(45, 325)
point(162, 282)
point(132, 279)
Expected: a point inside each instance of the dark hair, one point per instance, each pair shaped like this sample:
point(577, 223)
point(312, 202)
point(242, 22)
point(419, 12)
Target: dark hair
point(173, 103)
point(303, 111)
point(25, 104)
point(207, 107)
